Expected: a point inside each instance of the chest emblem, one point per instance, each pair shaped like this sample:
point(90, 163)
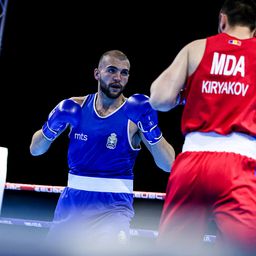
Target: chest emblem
point(112, 141)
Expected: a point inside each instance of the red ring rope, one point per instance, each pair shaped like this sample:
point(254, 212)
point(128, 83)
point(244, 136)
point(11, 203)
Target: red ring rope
point(59, 189)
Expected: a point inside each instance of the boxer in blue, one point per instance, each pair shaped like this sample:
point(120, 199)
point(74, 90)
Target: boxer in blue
point(106, 131)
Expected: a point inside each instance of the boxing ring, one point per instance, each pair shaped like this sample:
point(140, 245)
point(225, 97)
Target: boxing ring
point(147, 233)
point(134, 232)
point(35, 229)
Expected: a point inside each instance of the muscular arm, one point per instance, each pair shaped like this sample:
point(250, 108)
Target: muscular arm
point(140, 112)
point(39, 144)
point(166, 88)
point(162, 152)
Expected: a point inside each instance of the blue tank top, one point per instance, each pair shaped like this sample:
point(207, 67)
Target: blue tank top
point(99, 146)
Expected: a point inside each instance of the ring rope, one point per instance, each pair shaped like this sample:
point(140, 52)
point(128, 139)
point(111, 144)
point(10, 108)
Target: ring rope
point(59, 189)
point(146, 233)
point(46, 224)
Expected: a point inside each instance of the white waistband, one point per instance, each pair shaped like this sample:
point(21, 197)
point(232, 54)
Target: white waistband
point(100, 184)
point(235, 143)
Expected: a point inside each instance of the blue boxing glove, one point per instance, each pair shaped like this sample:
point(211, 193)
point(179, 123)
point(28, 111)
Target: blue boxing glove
point(138, 109)
point(65, 113)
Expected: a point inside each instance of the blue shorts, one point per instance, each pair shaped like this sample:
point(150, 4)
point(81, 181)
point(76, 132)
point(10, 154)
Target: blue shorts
point(92, 216)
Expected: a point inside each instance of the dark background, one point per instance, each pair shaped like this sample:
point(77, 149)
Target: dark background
point(49, 51)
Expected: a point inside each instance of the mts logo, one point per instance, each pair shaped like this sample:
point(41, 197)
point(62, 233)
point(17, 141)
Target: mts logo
point(227, 65)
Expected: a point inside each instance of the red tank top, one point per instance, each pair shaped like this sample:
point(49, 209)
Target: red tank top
point(221, 93)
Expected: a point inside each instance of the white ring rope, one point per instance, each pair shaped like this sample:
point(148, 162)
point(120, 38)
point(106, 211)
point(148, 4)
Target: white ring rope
point(147, 233)
point(59, 189)
point(46, 224)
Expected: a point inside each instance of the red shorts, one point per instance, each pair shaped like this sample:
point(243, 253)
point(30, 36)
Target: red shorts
point(210, 186)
